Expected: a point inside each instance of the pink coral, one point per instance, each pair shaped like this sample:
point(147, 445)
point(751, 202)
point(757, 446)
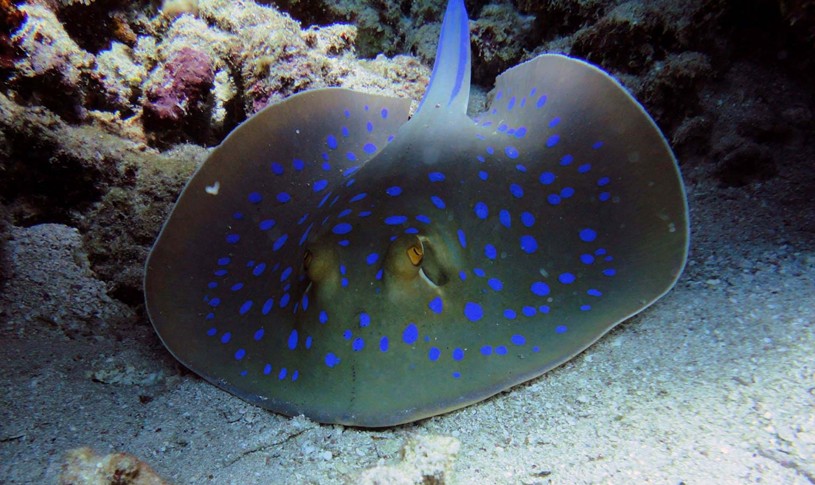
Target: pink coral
point(180, 94)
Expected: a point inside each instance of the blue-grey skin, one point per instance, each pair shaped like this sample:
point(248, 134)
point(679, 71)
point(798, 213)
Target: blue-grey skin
point(331, 259)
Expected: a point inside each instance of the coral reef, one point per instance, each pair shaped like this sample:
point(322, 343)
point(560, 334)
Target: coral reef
point(84, 466)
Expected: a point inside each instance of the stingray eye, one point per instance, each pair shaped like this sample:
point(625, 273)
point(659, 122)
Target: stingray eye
point(319, 262)
point(415, 254)
point(308, 257)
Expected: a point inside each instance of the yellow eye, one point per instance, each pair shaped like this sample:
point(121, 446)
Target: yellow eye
point(415, 254)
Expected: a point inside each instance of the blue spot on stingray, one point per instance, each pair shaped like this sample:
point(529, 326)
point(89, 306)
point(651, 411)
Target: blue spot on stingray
point(283, 197)
point(586, 258)
point(481, 210)
point(490, 252)
point(342, 228)
point(245, 307)
point(233, 238)
point(501, 350)
point(436, 176)
point(541, 101)
point(560, 329)
point(527, 219)
point(597, 145)
point(462, 238)
point(436, 305)
point(240, 354)
point(225, 338)
point(223, 261)
point(369, 148)
point(285, 274)
point(267, 224)
point(483, 175)
point(528, 244)
point(437, 202)
point(284, 300)
point(352, 157)
point(298, 164)
point(473, 311)
point(411, 334)
point(347, 334)
point(520, 132)
point(350, 171)
point(604, 196)
point(358, 344)
point(364, 320)
point(383, 344)
point(395, 220)
point(553, 199)
point(282, 374)
point(516, 190)
point(510, 314)
point(584, 168)
point(552, 141)
point(518, 340)
point(511, 103)
point(458, 354)
point(344, 213)
point(393, 191)
point(504, 218)
point(423, 218)
point(384, 113)
point(566, 278)
point(521, 168)
point(214, 302)
point(372, 258)
point(594, 292)
point(255, 197)
point(529, 311)
point(490, 150)
point(277, 168)
point(433, 354)
point(332, 142)
point(546, 178)
point(478, 272)
point(609, 272)
point(267, 306)
point(292, 342)
point(566, 160)
point(320, 185)
point(358, 197)
point(603, 181)
point(511, 152)
point(369, 126)
point(345, 132)
point(267, 369)
point(588, 235)
point(495, 284)
point(555, 121)
point(540, 288)
point(486, 350)
point(323, 318)
point(279, 242)
point(566, 192)
point(238, 216)
point(463, 275)
point(331, 360)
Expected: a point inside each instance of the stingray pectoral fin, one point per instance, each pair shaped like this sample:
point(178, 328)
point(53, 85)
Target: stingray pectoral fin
point(224, 267)
point(608, 152)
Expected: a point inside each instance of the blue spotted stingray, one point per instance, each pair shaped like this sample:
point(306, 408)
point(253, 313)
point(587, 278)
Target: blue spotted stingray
point(334, 258)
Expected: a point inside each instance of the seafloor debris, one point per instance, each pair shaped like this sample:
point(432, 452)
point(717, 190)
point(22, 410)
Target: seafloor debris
point(426, 460)
point(82, 466)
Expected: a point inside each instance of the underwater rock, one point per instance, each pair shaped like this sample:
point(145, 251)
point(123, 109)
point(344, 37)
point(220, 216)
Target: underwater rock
point(84, 466)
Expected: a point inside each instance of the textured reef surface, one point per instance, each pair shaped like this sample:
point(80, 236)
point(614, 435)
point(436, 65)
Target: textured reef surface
point(107, 107)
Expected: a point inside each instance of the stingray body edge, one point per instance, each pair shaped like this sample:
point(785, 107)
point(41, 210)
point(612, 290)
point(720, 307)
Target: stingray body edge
point(332, 259)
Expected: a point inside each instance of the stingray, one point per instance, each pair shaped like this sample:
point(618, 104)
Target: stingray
point(335, 259)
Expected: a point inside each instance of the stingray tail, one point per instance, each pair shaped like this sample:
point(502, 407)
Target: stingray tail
point(449, 87)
